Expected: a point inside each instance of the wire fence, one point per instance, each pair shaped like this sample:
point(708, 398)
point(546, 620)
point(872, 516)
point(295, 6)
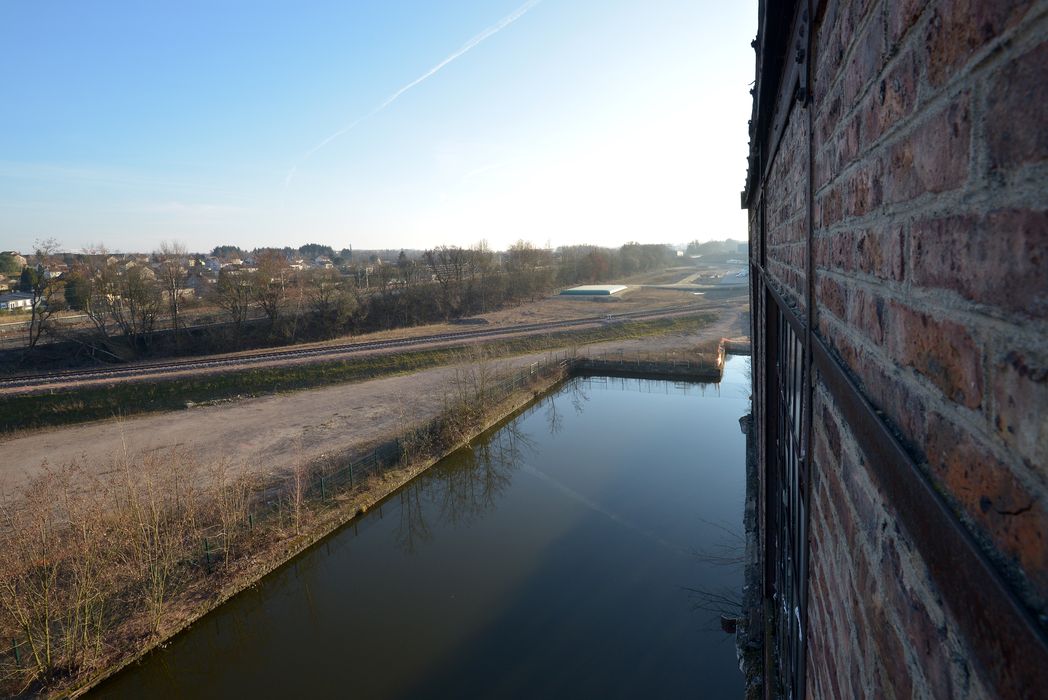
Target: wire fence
point(337, 485)
point(284, 505)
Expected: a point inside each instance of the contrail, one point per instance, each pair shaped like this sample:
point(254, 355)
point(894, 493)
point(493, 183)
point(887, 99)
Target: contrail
point(489, 32)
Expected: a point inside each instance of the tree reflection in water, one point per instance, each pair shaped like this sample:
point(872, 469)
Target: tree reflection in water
point(579, 397)
point(466, 484)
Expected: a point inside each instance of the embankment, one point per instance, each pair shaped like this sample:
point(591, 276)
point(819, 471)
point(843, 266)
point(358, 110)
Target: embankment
point(94, 577)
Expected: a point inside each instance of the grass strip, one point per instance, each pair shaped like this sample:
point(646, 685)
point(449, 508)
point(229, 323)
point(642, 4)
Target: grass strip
point(22, 412)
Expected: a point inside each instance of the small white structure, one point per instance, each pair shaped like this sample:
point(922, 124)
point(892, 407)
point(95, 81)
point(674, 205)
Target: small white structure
point(16, 301)
point(595, 290)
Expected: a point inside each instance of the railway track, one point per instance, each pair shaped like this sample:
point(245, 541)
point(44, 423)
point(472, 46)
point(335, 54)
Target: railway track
point(124, 371)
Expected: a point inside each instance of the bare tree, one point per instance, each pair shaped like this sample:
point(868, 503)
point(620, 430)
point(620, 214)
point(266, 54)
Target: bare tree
point(235, 294)
point(45, 286)
point(271, 285)
point(125, 298)
point(449, 266)
point(330, 302)
point(172, 274)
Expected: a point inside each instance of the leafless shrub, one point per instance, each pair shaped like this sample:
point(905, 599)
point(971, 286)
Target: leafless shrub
point(230, 499)
point(157, 524)
point(90, 566)
point(296, 493)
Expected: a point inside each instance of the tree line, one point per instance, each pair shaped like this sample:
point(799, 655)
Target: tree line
point(129, 302)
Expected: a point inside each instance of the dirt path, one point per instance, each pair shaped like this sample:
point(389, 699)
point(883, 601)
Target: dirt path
point(274, 433)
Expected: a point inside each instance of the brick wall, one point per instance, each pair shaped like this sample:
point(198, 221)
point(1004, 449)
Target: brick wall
point(929, 237)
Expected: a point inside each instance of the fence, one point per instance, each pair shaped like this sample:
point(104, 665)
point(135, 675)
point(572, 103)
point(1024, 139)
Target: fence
point(328, 487)
point(282, 503)
point(327, 482)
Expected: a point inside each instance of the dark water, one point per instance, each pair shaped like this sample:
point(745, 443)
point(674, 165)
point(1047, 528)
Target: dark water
point(558, 557)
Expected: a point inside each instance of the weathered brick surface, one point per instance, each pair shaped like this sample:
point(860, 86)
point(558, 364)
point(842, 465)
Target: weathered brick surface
point(1020, 395)
point(933, 158)
point(893, 97)
point(943, 351)
point(877, 624)
point(929, 238)
point(1017, 109)
point(998, 259)
point(958, 29)
point(1008, 511)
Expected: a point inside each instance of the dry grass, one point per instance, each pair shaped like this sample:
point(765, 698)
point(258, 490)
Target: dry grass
point(94, 569)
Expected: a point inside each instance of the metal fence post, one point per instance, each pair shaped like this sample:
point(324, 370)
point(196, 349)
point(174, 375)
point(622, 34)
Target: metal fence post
point(14, 649)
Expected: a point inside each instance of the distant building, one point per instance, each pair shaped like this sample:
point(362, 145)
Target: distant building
point(595, 290)
point(16, 301)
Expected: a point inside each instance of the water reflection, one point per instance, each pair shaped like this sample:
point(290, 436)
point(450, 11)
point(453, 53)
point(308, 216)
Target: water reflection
point(564, 554)
point(468, 484)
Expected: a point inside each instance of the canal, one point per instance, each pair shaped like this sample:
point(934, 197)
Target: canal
point(581, 549)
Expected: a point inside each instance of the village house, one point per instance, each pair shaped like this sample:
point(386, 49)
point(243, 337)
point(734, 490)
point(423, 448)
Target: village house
point(16, 301)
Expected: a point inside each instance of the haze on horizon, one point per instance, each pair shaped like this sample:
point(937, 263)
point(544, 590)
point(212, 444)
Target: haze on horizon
point(375, 125)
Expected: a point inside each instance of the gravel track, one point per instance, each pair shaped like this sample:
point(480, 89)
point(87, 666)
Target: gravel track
point(273, 433)
point(32, 383)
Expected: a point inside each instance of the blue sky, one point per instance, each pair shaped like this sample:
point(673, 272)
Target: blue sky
point(556, 121)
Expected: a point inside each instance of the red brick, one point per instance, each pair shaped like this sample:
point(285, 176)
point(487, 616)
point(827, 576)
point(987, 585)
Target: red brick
point(863, 189)
point(837, 505)
point(1017, 111)
point(1020, 391)
point(832, 297)
point(865, 62)
point(836, 252)
point(959, 28)
point(864, 498)
point(999, 260)
point(943, 351)
point(833, 36)
point(1014, 519)
point(933, 158)
point(829, 424)
point(828, 208)
point(920, 632)
point(903, 408)
point(861, 612)
point(849, 143)
point(827, 120)
point(867, 313)
point(894, 679)
point(893, 99)
point(880, 253)
point(902, 15)
point(840, 342)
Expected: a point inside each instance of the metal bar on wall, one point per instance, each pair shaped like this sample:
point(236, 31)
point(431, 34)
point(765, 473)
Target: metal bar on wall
point(1006, 639)
point(785, 524)
point(1009, 643)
